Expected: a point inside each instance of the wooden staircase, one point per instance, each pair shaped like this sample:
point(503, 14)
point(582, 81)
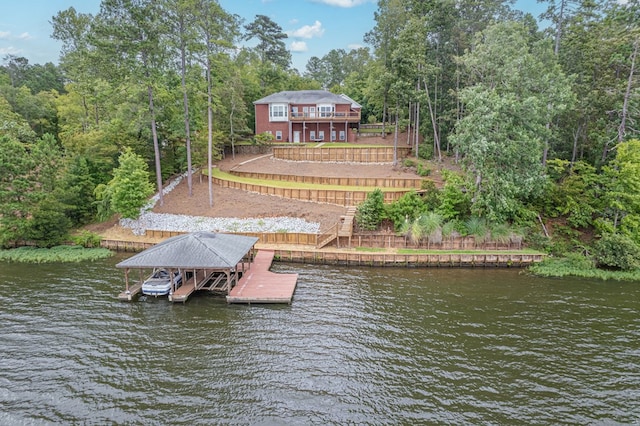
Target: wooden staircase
point(342, 229)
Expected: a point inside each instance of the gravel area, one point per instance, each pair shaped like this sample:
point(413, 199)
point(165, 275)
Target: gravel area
point(150, 220)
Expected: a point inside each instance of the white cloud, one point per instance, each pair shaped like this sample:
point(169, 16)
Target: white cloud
point(24, 36)
point(9, 51)
point(299, 46)
point(309, 31)
point(343, 3)
point(5, 35)
point(354, 46)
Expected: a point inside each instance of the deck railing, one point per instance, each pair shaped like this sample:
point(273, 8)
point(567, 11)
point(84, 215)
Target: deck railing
point(325, 116)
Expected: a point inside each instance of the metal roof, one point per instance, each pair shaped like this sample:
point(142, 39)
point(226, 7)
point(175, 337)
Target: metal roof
point(198, 250)
point(305, 97)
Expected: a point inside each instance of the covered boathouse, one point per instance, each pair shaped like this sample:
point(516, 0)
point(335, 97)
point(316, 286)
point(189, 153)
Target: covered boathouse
point(207, 261)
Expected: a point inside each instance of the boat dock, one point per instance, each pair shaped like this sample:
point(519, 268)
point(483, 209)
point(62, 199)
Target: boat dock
point(260, 285)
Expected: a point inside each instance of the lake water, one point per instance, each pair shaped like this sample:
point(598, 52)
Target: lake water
point(357, 346)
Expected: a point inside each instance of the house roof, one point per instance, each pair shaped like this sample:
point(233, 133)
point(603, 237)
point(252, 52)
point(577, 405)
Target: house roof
point(306, 97)
point(198, 250)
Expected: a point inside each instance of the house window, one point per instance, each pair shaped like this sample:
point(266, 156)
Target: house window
point(325, 110)
point(312, 135)
point(321, 135)
point(342, 135)
point(278, 135)
point(333, 135)
point(294, 111)
point(278, 112)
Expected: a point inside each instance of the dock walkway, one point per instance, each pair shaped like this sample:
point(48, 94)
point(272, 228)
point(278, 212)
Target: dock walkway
point(260, 285)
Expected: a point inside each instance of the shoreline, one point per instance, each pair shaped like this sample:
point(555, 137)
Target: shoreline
point(387, 257)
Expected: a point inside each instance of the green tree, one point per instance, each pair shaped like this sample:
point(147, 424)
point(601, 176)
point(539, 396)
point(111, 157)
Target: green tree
point(503, 134)
point(622, 190)
point(370, 213)
point(271, 46)
point(17, 191)
point(128, 36)
point(129, 190)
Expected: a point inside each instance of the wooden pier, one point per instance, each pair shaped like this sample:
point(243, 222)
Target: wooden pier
point(260, 285)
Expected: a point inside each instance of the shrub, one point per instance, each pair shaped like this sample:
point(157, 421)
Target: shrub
point(425, 151)
point(423, 170)
point(87, 239)
point(408, 162)
point(371, 212)
point(263, 138)
point(407, 207)
point(617, 252)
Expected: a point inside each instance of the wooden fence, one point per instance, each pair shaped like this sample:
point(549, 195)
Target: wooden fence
point(412, 183)
point(458, 243)
point(329, 196)
point(384, 241)
point(383, 154)
point(392, 259)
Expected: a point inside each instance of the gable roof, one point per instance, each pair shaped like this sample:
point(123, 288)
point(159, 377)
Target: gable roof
point(198, 250)
point(354, 104)
point(304, 97)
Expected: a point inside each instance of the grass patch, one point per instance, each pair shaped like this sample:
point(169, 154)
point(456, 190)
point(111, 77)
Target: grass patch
point(370, 249)
point(290, 185)
point(62, 254)
point(578, 266)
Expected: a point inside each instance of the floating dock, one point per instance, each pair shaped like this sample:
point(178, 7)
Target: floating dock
point(260, 285)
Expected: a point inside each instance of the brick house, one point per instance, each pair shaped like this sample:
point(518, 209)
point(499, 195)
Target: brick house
point(308, 116)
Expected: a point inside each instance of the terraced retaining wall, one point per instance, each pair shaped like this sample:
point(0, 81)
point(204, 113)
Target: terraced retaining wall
point(383, 154)
point(330, 196)
point(415, 183)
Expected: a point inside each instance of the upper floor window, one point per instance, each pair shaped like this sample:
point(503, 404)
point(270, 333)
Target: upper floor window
point(325, 110)
point(278, 112)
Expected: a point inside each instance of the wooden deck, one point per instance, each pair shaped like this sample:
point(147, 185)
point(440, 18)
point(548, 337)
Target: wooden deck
point(259, 285)
point(189, 286)
point(127, 296)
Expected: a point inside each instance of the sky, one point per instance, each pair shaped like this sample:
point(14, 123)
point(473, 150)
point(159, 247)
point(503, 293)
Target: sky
point(314, 27)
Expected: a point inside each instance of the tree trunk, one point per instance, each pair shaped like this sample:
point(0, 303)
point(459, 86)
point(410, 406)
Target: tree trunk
point(622, 130)
point(395, 138)
point(156, 147)
point(436, 138)
point(209, 133)
point(187, 130)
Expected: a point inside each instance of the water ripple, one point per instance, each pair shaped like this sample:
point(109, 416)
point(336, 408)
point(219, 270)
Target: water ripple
point(357, 346)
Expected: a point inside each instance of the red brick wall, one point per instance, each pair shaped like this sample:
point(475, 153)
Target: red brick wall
point(263, 124)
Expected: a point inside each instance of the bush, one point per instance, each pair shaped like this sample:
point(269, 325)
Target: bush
point(425, 151)
point(371, 212)
point(407, 207)
point(87, 239)
point(408, 162)
point(617, 252)
point(423, 170)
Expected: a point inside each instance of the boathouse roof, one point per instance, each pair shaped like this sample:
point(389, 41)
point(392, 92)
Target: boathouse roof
point(198, 250)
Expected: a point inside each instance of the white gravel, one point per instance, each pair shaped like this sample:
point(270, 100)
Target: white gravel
point(183, 223)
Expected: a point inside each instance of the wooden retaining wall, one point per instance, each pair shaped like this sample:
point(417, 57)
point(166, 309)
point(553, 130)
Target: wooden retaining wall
point(374, 259)
point(383, 154)
point(411, 183)
point(329, 196)
point(388, 241)
point(457, 243)
point(387, 259)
